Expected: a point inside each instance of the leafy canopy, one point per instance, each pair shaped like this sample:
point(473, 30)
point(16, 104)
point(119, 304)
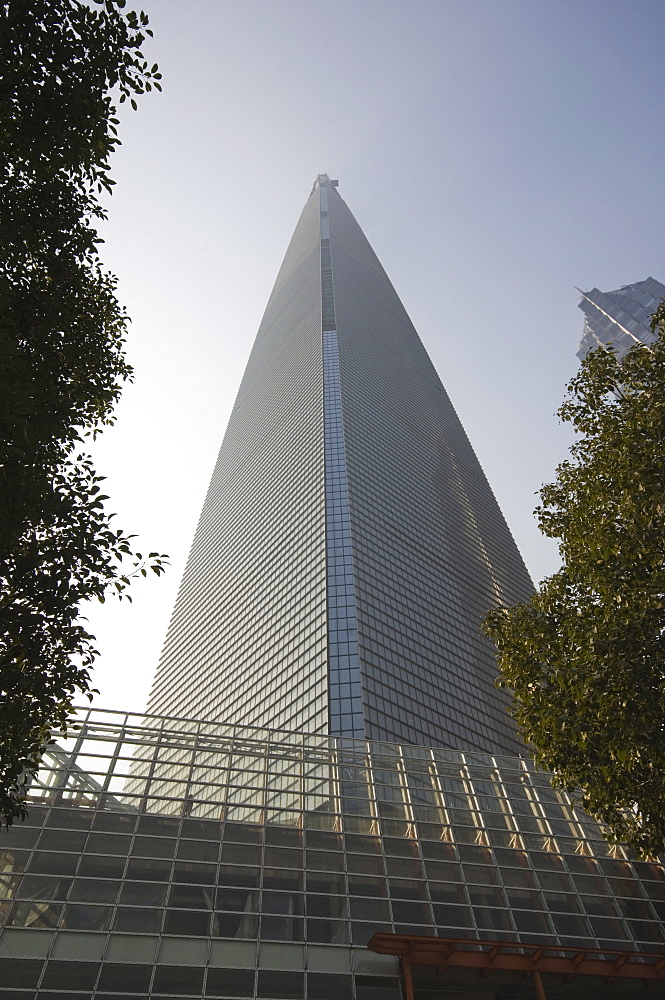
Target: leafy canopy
point(62, 361)
point(585, 657)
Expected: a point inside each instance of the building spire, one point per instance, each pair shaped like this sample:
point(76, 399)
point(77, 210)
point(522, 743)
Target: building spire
point(321, 180)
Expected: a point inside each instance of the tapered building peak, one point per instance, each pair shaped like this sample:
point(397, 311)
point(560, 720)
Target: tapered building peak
point(349, 544)
point(321, 180)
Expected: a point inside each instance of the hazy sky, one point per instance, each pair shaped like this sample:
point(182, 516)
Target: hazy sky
point(496, 154)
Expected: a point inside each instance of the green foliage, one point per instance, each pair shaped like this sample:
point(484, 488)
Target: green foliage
point(585, 657)
point(62, 364)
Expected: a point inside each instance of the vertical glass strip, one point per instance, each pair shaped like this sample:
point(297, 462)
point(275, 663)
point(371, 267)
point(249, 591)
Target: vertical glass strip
point(345, 707)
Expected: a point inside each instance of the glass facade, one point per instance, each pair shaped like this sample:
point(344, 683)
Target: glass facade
point(431, 549)
point(346, 717)
point(349, 544)
point(248, 636)
point(270, 861)
point(620, 318)
point(344, 686)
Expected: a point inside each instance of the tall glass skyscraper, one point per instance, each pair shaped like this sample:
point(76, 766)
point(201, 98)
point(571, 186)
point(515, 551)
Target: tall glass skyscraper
point(381, 848)
point(620, 318)
point(349, 544)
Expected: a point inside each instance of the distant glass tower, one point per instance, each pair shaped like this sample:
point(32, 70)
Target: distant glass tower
point(620, 318)
point(349, 544)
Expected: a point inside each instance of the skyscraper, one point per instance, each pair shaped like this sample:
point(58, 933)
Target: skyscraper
point(620, 318)
point(349, 544)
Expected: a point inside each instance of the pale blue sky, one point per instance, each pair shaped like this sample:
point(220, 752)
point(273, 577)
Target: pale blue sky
point(497, 154)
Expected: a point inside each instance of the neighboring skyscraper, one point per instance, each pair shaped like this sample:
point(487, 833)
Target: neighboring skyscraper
point(349, 544)
point(620, 318)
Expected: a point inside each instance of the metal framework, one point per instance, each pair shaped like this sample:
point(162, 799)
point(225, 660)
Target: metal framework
point(162, 764)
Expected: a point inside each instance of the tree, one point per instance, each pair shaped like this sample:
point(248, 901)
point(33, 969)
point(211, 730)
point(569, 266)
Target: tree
point(62, 364)
point(585, 657)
